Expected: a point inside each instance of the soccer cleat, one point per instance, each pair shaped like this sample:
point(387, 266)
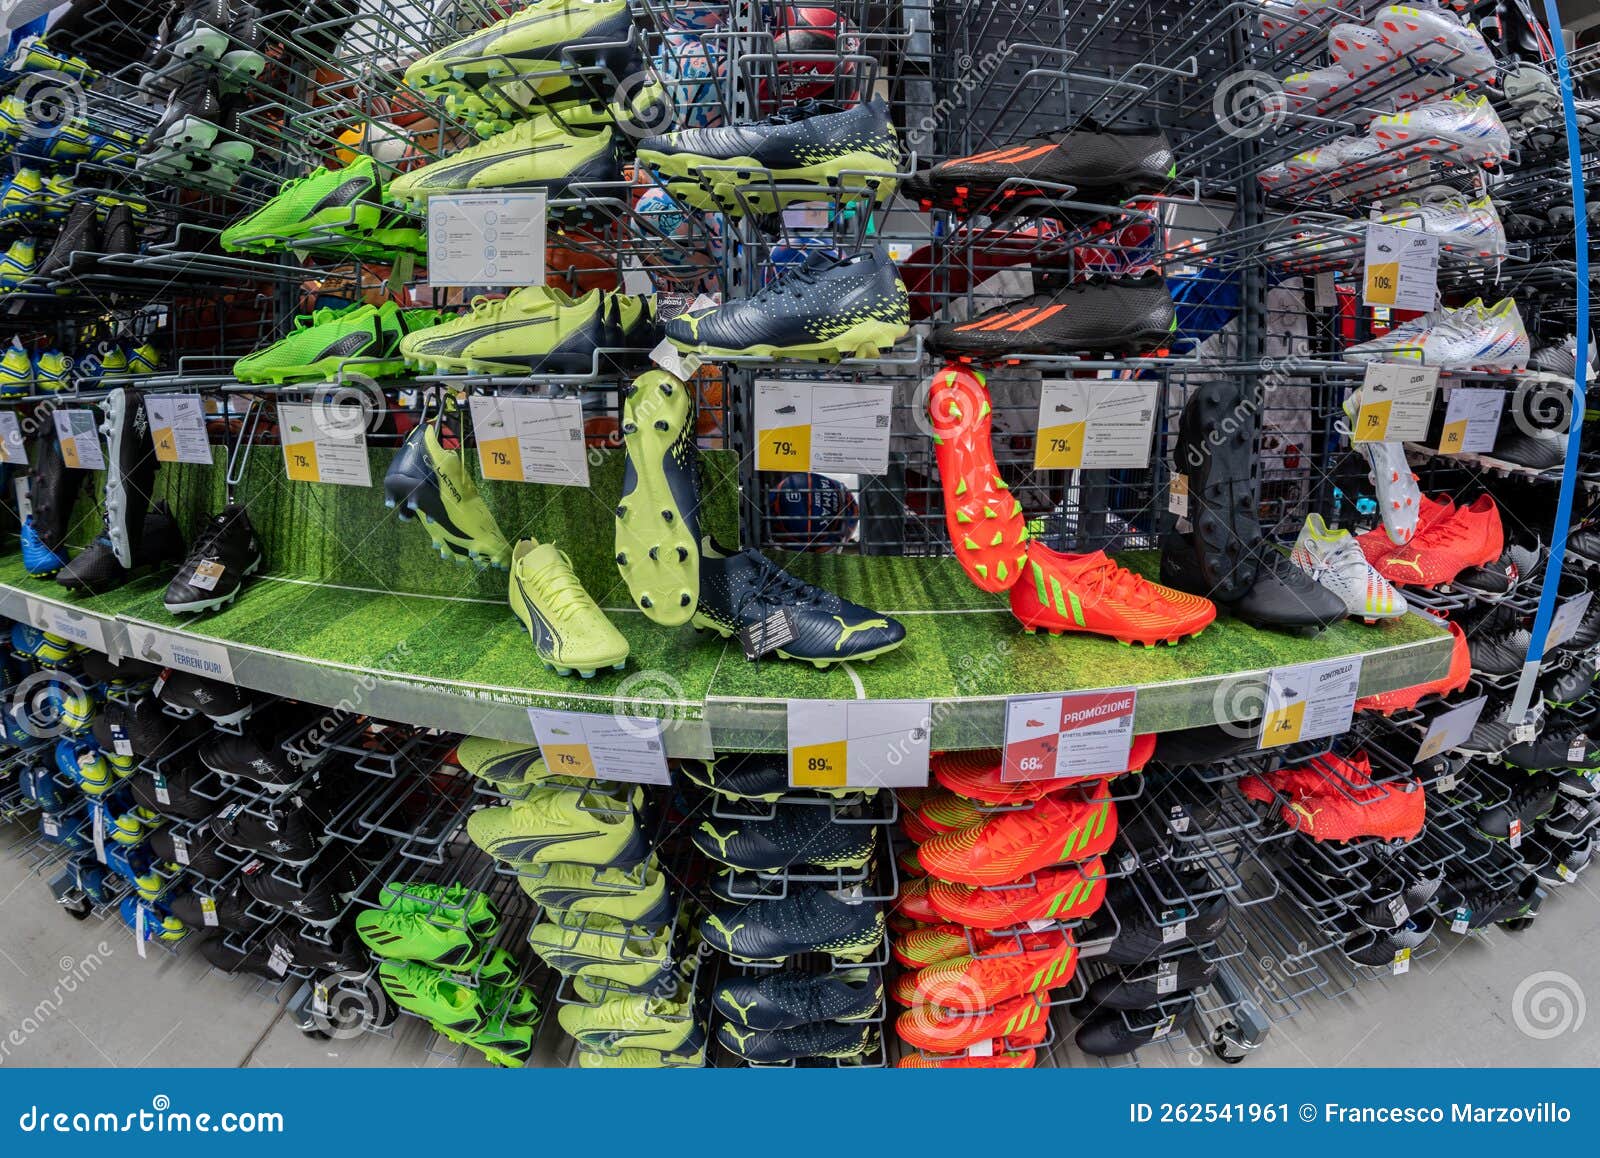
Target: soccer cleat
point(604, 951)
point(1455, 674)
point(18, 265)
point(52, 372)
point(691, 1055)
point(1558, 748)
point(1435, 36)
point(429, 994)
point(794, 835)
point(1008, 846)
point(414, 936)
point(454, 903)
point(96, 569)
point(225, 553)
point(808, 920)
point(998, 1058)
point(1216, 455)
point(436, 485)
point(557, 824)
point(1147, 987)
point(937, 1030)
point(630, 1020)
point(191, 694)
point(1335, 798)
point(976, 775)
point(361, 339)
point(1060, 894)
point(828, 147)
point(1469, 536)
point(985, 521)
point(787, 1000)
point(1093, 594)
point(540, 154)
point(16, 372)
point(1399, 500)
point(1096, 165)
point(1310, 90)
point(535, 330)
point(1376, 543)
point(637, 896)
point(1119, 317)
point(1334, 560)
point(570, 633)
point(1460, 128)
point(1118, 1032)
point(745, 776)
point(502, 763)
point(324, 203)
point(658, 516)
point(822, 1039)
point(1531, 799)
point(1467, 229)
point(54, 492)
point(1361, 52)
point(827, 308)
point(1035, 961)
point(502, 1041)
point(743, 590)
point(936, 813)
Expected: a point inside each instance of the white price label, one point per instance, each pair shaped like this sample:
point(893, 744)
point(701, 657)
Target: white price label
point(532, 440)
point(1564, 622)
point(321, 445)
point(486, 239)
point(1402, 962)
point(181, 653)
point(100, 833)
point(859, 743)
point(139, 929)
point(823, 426)
point(180, 850)
point(601, 747)
point(1396, 403)
point(280, 960)
point(69, 623)
point(24, 492)
point(1402, 268)
point(1327, 290)
point(1095, 424)
point(1471, 421)
point(78, 433)
point(674, 361)
point(178, 426)
point(11, 448)
point(1178, 495)
point(1063, 737)
point(208, 911)
point(1310, 700)
point(1450, 729)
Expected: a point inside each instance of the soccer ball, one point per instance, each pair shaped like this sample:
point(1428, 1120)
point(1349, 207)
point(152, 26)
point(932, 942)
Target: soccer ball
point(694, 14)
point(811, 31)
point(657, 215)
point(693, 71)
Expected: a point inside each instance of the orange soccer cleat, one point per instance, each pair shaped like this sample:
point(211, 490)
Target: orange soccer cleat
point(1007, 846)
point(1376, 543)
point(1457, 672)
point(985, 520)
point(936, 813)
point(936, 1029)
point(1027, 964)
point(1062, 894)
point(1091, 593)
point(1000, 1059)
point(1334, 798)
point(914, 903)
point(976, 775)
point(1469, 536)
point(934, 943)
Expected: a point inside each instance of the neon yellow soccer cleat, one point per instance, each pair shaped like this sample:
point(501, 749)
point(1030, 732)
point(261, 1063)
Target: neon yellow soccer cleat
point(558, 825)
point(658, 516)
point(570, 633)
point(537, 154)
point(437, 486)
point(537, 330)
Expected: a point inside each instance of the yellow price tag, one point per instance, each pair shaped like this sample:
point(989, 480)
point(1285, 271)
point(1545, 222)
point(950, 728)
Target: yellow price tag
point(1283, 725)
point(1453, 438)
point(69, 453)
point(1372, 424)
point(784, 448)
point(501, 459)
point(1383, 283)
point(570, 760)
point(300, 460)
point(1060, 447)
point(820, 765)
point(166, 445)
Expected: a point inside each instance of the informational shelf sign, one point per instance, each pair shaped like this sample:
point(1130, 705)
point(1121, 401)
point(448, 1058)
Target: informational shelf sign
point(178, 426)
point(1055, 737)
point(859, 744)
point(1095, 424)
point(629, 749)
point(486, 239)
point(1402, 268)
point(321, 451)
point(1396, 403)
point(1310, 700)
point(842, 427)
point(533, 440)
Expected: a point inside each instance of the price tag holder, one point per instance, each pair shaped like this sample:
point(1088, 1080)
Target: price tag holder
point(178, 425)
point(1310, 700)
point(843, 427)
point(182, 653)
point(49, 825)
point(486, 239)
point(11, 448)
point(180, 850)
point(1450, 729)
point(139, 930)
point(1402, 962)
point(1062, 737)
point(78, 433)
point(859, 744)
point(208, 911)
point(1094, 424)
point(675, 361)
point(68, 623)
point(319, 451)
point(1167, 978)
point(1565, 620)
point(1471, 420)
point(1178, 495)
point(23, 488)
point(531, 440)
point(1396, 403)
point(629, 749)
point(1402, 268)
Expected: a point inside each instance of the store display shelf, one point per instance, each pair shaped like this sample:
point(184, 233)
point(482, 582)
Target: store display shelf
point(466, 665)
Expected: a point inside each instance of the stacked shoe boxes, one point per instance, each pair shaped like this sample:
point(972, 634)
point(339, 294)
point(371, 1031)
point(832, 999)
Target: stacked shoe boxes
point(612, 924)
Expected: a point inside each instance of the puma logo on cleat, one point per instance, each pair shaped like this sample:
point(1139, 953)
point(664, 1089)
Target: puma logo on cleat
point(846, 630)
point(741, 1009)
point(722, 841)
point(716, 923)
point(1414, 564)
point(741, 1036)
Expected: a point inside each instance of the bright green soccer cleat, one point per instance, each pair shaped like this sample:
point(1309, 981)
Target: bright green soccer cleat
point(536, 330)
point(325, 201)
point(604, 950)
point(503, 763)
point(436, 485)
point(499, 969)
point(505, 1042)
point(632, 1019)
point(570, 632)
point(525, 56)
point(364, 339)
point(429, 994)
point(658, 516)
point(52, 372)
point(639, 897)
point(415, 936)
point(455, 904)
point(516, 1004)
point(554, 824)
point(23, 196)
point(18, 265)
point(537, 154)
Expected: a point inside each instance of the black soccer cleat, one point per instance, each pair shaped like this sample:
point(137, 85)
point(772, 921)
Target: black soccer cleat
point(1530, 799)
point(97, 568)
point(1280, 594)
point(823, 1039)
point(221, 703)
point(130, 471)
point(1149, 985)
point(1095, 164)
point(1126, 316)
point(225, 551)
point(789, 999)
point(1555, 749)
point(745, 589)
point(1217, 456)
point(796, 834)
point(831, 307)
point(808, 920)
point(1119, 1031)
